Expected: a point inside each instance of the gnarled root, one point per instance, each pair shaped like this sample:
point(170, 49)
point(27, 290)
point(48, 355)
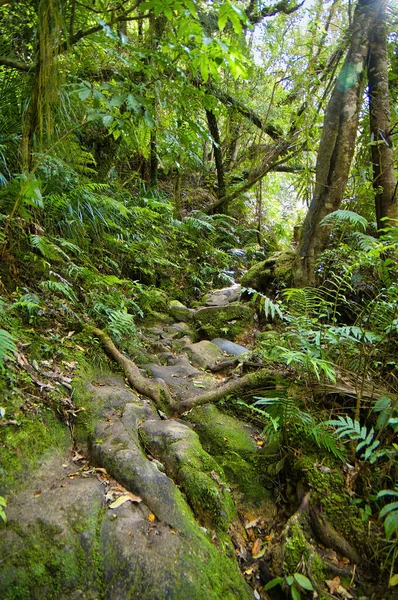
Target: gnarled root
point(159, 394)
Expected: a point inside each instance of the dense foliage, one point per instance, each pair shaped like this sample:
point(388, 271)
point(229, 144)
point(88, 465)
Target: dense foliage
point(154, 150)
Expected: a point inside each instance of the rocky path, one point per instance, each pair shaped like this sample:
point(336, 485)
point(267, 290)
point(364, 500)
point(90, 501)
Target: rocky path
point(148, 506)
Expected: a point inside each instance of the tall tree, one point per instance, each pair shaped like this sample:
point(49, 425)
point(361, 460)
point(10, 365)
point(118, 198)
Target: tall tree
point(337, 146)
point(384, 181)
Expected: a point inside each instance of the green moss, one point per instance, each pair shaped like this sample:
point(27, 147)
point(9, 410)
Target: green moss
point(224, 321)
point(328, 491)
point(42, 561)
point(229, 442)
point(22, 446)
point(296, 547)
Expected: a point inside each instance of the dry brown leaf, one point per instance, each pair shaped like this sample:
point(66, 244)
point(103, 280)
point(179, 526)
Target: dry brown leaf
point(334, 584)
point(256, 546)
point(252, 523)
point(134, 498)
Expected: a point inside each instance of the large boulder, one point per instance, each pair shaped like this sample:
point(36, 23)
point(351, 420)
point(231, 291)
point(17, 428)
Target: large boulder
point(204, 354)
point(268, 274)
point(179, 311)
point(227, 320)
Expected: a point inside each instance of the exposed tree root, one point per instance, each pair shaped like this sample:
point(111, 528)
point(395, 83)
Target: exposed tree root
point(330, 537)
point(158, 393)
point(308, 518)
point(261, 378)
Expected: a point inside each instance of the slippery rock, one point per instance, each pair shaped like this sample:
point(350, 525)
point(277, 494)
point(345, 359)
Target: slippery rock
point(204, 354)
point(179, 311)
point(230, 347)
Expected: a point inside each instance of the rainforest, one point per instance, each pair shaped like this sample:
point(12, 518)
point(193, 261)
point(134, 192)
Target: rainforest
point(198, 299)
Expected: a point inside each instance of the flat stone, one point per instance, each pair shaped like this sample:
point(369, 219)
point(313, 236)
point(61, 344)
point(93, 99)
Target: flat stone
point(182, 378)
point(230, 347)
point(223, 296)
point(204, 354)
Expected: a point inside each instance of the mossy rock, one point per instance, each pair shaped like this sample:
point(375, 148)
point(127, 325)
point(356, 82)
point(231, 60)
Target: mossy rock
point(224, 321)
point(268, 274)
point(179, 311)
point(231, 444)
point(200, 477)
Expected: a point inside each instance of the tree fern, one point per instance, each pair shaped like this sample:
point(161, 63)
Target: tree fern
point(8, 347)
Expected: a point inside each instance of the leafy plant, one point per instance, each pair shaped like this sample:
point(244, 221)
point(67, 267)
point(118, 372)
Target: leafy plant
point(8, 348)
point(3, 505)
point(389, 512)
point(296, 583)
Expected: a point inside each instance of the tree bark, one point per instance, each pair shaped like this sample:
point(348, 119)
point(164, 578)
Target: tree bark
point(337, 145)
point(384, 181)
point(218, 155)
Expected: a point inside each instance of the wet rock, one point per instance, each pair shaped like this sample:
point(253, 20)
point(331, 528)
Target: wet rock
point(204, 354)
point(266, 275)
point(230, 347)
point(199, 475)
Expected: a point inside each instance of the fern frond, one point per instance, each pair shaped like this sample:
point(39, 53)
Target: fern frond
point(121, 324)
point(347, 217)
point(65, 289)
point(8, 347)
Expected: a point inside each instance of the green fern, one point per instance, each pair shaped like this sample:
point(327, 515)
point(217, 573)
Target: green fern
point(48, 249)
point(8, 348)
point(60, 287)
point(308, 301)
point(389, 512)
point(346, 217)
point(270, 308)
point(347, 427)
point(121, 324)
point(281, 413)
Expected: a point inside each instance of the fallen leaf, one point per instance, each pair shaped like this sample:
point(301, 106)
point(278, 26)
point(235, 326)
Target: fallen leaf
point(393, 580)
point(134, 498)
point(256, 546)
point(334, 584)
point(37, 493)
point(260, 554)
point(260, 443)
point(151, 517)
point(119, 501)
point(252, 523)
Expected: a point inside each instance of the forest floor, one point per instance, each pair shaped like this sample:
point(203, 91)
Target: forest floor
point(139, 502)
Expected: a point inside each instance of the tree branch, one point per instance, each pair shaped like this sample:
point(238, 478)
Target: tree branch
point(271, 11)
point(13, 63)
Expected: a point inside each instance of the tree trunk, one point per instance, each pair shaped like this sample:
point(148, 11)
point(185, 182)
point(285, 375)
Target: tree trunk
point(153, 161)
point(218, 157)
point(337, 145)
point(384, 181)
